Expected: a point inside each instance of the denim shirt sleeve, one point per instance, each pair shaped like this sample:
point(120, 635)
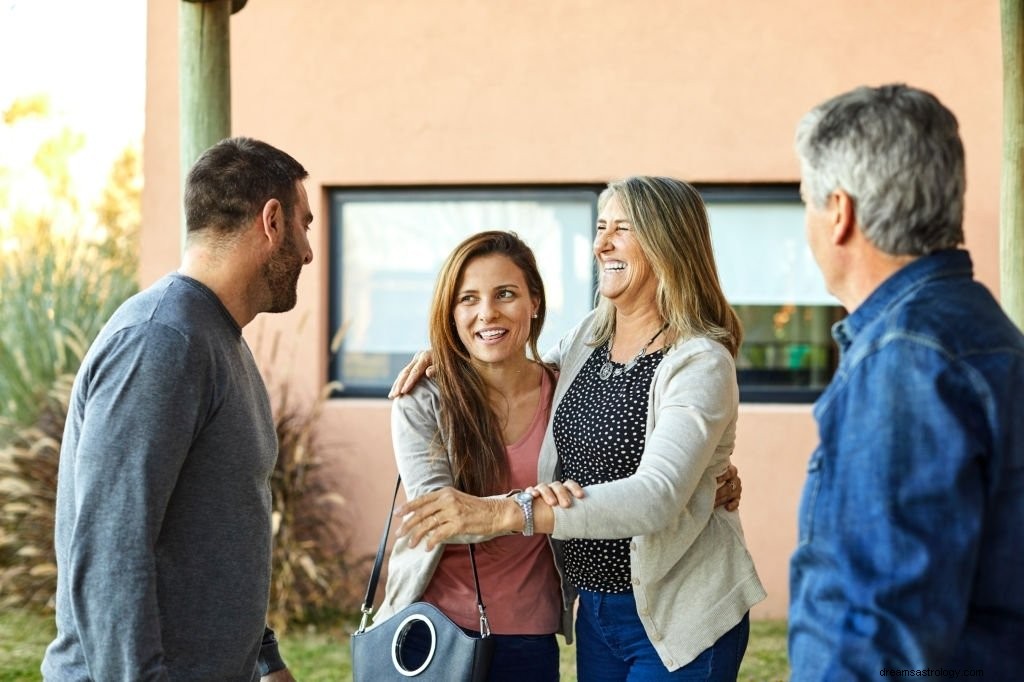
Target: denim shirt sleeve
point(892, 515)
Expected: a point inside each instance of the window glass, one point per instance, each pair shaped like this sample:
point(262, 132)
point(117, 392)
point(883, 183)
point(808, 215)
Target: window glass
point(770, 278)
point(387, 248)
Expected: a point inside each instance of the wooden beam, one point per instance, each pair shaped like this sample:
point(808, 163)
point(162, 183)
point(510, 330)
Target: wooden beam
point(1011, 223)
point(204, 69)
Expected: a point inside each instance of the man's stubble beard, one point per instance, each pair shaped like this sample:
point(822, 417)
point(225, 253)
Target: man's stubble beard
point(281, 274)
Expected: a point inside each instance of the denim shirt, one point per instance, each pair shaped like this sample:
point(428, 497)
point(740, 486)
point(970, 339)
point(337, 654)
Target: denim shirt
point(911, 529)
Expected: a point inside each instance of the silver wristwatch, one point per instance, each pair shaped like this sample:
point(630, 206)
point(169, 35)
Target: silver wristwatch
point(525, 502)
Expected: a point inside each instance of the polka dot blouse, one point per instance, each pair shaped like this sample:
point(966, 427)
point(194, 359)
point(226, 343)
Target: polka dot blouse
point(600, 430)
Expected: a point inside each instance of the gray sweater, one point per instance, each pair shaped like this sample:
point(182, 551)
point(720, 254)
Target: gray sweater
point(163, 528)
point(693, 578)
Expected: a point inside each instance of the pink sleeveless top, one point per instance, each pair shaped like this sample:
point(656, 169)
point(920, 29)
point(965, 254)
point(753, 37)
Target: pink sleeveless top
point(518, 581)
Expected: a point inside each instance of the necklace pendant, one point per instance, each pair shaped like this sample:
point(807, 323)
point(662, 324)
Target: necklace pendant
point(606, 371)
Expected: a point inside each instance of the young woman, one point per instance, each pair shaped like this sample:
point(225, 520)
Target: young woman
point(478, 428)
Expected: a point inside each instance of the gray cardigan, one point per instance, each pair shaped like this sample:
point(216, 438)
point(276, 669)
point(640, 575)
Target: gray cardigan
point(415, 421)
point(693, 578)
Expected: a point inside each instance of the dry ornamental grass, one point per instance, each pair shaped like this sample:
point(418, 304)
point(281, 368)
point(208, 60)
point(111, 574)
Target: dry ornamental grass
point(28, 492)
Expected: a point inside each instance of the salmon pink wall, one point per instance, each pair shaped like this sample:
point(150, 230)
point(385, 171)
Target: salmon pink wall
point(534, 91)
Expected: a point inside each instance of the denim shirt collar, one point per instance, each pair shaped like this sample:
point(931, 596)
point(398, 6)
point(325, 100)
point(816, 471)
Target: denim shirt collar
point(900, 284)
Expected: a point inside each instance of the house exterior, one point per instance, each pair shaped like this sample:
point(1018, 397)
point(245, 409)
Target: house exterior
point(404, 109)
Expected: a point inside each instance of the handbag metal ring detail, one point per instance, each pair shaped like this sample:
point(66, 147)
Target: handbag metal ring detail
point(399, 638)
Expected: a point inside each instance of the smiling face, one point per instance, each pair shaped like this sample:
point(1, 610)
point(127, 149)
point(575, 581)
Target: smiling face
point(493, 309)
point(625, 274)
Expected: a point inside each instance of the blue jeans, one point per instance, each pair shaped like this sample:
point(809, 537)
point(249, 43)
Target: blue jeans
point(517, 658)
point(612, 645)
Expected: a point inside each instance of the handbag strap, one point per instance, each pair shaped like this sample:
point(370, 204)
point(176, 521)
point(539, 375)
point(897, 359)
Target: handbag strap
point(371, 588)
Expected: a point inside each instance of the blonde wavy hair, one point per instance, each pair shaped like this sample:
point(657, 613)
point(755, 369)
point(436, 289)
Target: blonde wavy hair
point(670, 222)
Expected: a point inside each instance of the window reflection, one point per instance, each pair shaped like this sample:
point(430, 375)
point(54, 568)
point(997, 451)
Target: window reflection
point(786, 347)
point(770, 278)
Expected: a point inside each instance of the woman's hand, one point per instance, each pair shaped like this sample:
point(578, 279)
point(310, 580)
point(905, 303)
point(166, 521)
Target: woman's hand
point(421, 363)
point(729, 489)
point(445, 513)
point(557, 494)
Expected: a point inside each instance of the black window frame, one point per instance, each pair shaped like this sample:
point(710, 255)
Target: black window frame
point(337, 195)
point(758, 192)
point(737, 193)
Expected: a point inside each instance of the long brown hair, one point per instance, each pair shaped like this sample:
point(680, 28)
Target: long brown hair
point(671, 226)
point(471, 431)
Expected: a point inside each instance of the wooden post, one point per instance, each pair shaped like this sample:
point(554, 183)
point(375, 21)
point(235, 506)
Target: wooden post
point(204, 71)
point(1011, 227)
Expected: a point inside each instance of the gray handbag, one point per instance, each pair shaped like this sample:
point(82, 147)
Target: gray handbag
point(445, 652)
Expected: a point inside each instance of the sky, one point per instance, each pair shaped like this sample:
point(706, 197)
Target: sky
point(89, 57)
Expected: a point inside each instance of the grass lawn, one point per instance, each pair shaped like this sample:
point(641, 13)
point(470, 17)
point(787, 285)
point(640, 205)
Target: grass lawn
point(321, 655)
point(23, 638)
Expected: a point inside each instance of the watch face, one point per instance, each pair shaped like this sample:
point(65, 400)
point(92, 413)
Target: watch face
point(524, 497)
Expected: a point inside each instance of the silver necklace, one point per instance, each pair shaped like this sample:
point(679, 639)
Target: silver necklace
point(609, 370)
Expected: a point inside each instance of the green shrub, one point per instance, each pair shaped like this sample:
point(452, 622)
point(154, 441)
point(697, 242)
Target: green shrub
point(63, 271)
point(64, 268)
point(55, 295)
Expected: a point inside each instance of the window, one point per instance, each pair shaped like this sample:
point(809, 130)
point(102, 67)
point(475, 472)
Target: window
point(770, 277)
point(387, 246)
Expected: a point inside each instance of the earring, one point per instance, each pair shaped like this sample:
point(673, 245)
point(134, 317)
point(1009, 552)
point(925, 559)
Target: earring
point(535, 316)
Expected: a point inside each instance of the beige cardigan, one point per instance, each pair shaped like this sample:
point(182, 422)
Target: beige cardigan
point(693, 578)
